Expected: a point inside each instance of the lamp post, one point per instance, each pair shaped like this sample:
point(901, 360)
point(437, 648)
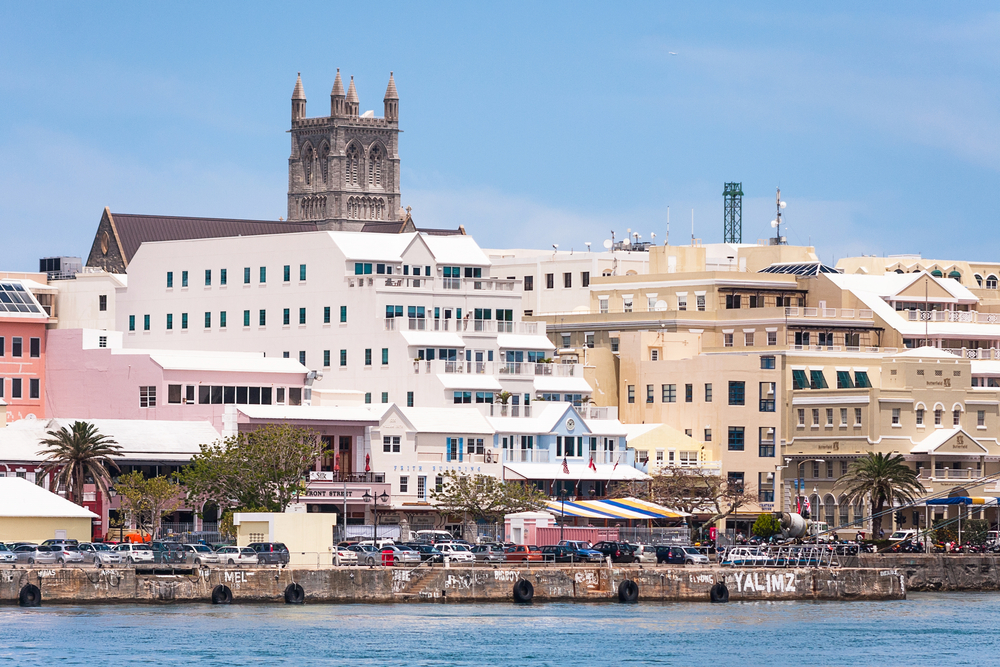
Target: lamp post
point(562, 517)
point(375, 500)
point(801, 481)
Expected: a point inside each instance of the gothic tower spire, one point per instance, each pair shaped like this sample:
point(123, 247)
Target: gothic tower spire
point(391, 100)
point(298, 100)
point(352, 100)
point(337, 97)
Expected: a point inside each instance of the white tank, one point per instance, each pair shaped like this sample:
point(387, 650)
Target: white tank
point(792, 525)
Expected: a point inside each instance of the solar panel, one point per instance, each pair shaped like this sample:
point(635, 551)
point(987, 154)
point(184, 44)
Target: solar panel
point(15, 299)
point(800, 269)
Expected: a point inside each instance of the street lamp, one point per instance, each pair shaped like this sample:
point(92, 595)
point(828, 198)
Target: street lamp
point(800, 482)
point(375, 500)
point(562, 522)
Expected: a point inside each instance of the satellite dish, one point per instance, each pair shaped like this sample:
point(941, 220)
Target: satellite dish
point(774, 223)
point(607, 244)
point(626, 241)
point(661, 305)
point(782, 204)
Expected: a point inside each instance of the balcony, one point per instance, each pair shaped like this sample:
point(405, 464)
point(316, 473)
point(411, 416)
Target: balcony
point(526, 455)
point(355, 477)
point(495, 326)
point(531, 369)
point(946, 474)
point(417, 324)
point(504, 410)
point(830, 313)
point(520, 370)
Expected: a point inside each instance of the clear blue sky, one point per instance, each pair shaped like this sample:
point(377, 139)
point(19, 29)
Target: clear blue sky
point(530, 124)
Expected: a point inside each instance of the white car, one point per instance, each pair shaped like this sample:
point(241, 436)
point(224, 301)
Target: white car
point(139, 552)
point(644, 553)
point(237, 555)
point(456, 553)
point(99, 554)
point(347, 557)
point(201, 554)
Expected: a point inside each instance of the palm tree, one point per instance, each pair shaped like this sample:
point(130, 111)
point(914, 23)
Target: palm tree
point(882, 479)
point(77, 453)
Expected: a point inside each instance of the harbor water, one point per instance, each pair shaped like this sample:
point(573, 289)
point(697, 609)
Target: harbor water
point(938, 628)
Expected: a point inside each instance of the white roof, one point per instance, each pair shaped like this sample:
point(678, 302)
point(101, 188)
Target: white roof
point(985, 367)
point(309, 413)
point(546, 418)
point(367, 246)
point(638, 430)
point(447, 420)
point(233, 362)
point(927, 352)
point(509, 341)
point(140, 439)
point(21, 498)
point(577, 471)
point(470, 381)
point(941, 436)
point(432, 339)
point(547, 383)
point(456, 249)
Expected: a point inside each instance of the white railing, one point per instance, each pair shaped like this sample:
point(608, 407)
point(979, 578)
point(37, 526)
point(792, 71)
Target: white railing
point(950, 473)
point(390, 324)
point(526, 455)
point(961, 316)
point(495, 326)
point(494, 284)
point(503, 410)
point(451, 283)
point(417, 324)
point(442, 325)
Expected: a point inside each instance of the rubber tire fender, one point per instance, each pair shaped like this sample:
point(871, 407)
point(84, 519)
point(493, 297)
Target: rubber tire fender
point(294, 594)
point(523, 591)
point(222, 595)
point(719, 593)
point(30, 596)
point(628, 591)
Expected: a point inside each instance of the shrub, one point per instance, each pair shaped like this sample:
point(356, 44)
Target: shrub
point(766, 526)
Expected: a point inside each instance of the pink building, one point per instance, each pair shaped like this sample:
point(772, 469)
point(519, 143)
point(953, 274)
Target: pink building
point(22, 349)
point(90, 376)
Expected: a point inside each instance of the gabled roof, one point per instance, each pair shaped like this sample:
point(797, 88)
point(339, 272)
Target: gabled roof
point(443, 420)
point(21, 498)
point(940, 437)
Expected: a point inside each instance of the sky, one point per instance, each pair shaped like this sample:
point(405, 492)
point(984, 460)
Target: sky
point(531, 123)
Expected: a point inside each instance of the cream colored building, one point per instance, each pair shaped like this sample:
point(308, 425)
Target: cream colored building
point(29, 513)
point(308, 536)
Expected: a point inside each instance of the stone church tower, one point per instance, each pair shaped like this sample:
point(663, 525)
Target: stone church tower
point(343, 171)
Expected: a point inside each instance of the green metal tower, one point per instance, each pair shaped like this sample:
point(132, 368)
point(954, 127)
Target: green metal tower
point(732, 226)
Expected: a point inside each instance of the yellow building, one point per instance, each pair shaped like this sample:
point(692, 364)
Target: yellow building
point(29, 513)
point(308, 536)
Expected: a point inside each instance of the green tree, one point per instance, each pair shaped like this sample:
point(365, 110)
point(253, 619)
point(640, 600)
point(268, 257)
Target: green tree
point(75, 454)
point(260, 469)
point(975, 531)
point(485, 497)
point(766, 526)
point(698, 491)
point(881, 480)
point(147, 500)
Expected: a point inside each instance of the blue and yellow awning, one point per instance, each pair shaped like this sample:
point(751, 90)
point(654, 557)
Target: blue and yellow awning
point(618, 508)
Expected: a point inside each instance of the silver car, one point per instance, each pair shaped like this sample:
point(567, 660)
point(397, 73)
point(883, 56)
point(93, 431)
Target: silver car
point(66, 553)
point(99, 554)
point(488, 553)
point(135, 553)
point(6, 555)
point(237, 555)
point(32, 554)
point(203, 555)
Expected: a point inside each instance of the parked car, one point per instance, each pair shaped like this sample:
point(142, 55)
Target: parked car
point(620, 552)
point(201, 554)
point(347, 557)
point(99, 553)
point(382, 542)
point(237, 555)
point(397, 554)
point(680, 555)
point(6, 555)
point(66, 553)
point(137, 552)
point(456, 553)
point(489, 553)
point(271, 553)
point(557, 553)
point(367, 555)
point(32, 554)
point(584, 552)
point(61, 540)
point(435, 536)
point(168, 553)
point(644, 553)
point(523, 552)
point(427, 552)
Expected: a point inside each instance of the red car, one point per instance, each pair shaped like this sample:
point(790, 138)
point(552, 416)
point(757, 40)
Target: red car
point(523, 552)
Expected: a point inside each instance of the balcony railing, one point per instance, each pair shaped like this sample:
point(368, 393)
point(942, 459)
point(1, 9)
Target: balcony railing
point(950, 473)
point(526, 455)
point(357, 477)
point(498, 368)
point(495, 326)
point(504, 410)
point(417, 323)
point(973, 353)
point(829, 313)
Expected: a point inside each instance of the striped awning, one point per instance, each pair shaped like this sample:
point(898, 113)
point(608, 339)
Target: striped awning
point(963, 500)
point(619, 508)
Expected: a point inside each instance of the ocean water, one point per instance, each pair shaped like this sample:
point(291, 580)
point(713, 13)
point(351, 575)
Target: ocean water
point(928, 628)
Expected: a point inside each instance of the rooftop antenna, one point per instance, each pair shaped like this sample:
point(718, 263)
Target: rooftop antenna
point(587, 243)
point(776, 223)
point(692, 227)
point(666, 241)
point(732, 214)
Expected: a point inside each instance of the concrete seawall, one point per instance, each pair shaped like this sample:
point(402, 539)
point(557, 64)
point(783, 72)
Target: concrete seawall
point(359, 584)
point(941, 572)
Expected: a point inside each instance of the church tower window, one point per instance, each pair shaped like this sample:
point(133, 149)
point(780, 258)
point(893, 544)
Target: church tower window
point(376, 160)
point(352, 165)
point(307, 163)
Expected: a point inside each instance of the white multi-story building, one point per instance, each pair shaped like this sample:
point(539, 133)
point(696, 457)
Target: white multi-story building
point(415, 319)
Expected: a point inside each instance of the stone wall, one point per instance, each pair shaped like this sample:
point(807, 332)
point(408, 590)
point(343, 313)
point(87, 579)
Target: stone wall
point(359, 584)
point(941, 572)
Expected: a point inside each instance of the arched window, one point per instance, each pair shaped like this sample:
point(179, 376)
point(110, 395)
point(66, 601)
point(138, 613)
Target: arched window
point(991, 282)
point(376, 160)
point(324, 160)
point(352, 164)
point(979, 280)
point(844, 508)
point(815, 509)
point(309, 155)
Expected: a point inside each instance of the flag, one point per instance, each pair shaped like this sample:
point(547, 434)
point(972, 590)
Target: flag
point(368, 460)
point(565, 466)
point(592, 466)
point(616, 463)
point(336, 463)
